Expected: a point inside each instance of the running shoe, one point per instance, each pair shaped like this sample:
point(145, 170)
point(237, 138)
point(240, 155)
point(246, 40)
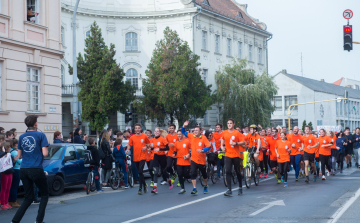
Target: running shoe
point(323, 177)
point(182, 191)
point(266, 175)
point(163, 183)
point(152, 184)
point(174, 177)
point(228, 193)
point(126, 186)
point(279, 181)
point(282, 179)
point(170, 184)
point(154, 191)
point(140, 191)
point(285, 184)
point(100, 191)
point(261, 175)
point(307, 179)
point(215, 168)
point(194, 191)
point(296, 179)
point(206, 189)
point(145, 189)
point(340, 170)
point(178, 184)
point(240, 191)
point(6, 207)
point(328, 174)
point(315, 177)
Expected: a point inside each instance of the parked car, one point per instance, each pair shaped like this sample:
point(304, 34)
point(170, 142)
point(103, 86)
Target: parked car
point(64, 166)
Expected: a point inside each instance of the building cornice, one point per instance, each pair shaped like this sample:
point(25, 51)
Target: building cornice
point(128, 15)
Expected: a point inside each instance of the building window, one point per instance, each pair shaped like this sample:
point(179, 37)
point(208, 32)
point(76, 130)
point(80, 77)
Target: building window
point(357, 87)
point(131, 42)
point(132, 76)
point(204, 40)
point(87, 34)
point(33, 89)
point(229, 47)
point(277, 102)
point(62, 75)
point(293, 122)
point(217, 44)
point(62, 35)
point(290, 100)
point(250, 53)
point(33, 13)
point(205, 72)
point(260, 55)
point(276, 122)
point(239, 49)
point(319, 122)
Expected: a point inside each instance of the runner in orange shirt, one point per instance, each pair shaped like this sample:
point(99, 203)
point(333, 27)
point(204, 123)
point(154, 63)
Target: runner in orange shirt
point(217, 137)
point(283, 149)
point(262, 149)
point(150, 157)
point(140, 143)
point(171, 160)
point(334, 152)
point(159, 164)
point(252, 140)
point(199, 147)
point(232, 139)
point(182, 149)
point(317, 159)
point(297, 146)
point(273, 157)
point(309, 152)
point(325, 143)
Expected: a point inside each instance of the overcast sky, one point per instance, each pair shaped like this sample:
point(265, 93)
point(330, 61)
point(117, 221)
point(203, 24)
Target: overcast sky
point(313, 28)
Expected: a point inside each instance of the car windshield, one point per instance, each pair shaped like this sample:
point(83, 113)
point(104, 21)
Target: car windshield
point(55, 152)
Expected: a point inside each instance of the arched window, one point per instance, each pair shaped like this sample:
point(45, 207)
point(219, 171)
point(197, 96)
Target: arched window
point(87, 33)
point(62, 75)
point(131, 42)
point(132, 76)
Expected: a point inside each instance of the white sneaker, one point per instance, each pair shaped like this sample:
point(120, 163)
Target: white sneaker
point(323, 177)
point(328, 174)
point(215, 168)
point(163, 183)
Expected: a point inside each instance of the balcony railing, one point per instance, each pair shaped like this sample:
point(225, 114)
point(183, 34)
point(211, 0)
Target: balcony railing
point(68, 89)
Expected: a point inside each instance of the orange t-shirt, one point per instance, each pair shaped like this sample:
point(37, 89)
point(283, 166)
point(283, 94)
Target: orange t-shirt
point(138, 142)
point(272, 143)
point(217, 137)
point(263, 143)
point(324, 140)
point(235, 136)
point(150, 154)
point(182, 148)
point(198, 143)
point(159, 143)
point(252, 140)
point(297, 140)
point(171, 139)
point(317, 149)
point(333, 140)
point(309, 141)
point(282, 150)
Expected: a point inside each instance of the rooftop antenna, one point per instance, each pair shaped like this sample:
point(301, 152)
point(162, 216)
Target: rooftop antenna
point(302, 74)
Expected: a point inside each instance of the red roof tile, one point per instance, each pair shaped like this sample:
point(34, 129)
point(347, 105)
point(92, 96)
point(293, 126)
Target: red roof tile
point(338, 82)
point(228, 9)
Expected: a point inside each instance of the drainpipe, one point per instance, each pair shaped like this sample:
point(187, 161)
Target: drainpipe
point(267, 56)
point(193, 25)
point(75, 93)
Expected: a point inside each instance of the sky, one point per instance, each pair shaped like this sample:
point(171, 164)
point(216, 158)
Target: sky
point(313, 28)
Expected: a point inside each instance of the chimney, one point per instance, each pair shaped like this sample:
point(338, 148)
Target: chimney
point(284, 71)
point(322, 80)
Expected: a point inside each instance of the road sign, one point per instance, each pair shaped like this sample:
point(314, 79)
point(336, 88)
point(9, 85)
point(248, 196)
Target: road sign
point(348, 14)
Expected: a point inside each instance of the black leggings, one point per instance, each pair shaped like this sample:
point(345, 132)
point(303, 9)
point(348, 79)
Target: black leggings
point(265, 161)
point(150, 167)
point(283, 167)
point(340, 160)
point(183, 173)
point(140, 167)
point(171, 162)
point(159, 162)
point(194, 167)
point(325, 160)
point(229, 163)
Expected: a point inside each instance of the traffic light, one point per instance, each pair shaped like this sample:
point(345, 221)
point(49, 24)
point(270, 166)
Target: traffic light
point(348, 44)
point(127, 117)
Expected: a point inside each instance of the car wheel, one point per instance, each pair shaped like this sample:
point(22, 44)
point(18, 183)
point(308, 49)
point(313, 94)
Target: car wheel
point(57, 186)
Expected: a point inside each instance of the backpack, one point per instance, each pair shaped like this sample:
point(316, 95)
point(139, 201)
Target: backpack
point(87, 158)
point(102, 155)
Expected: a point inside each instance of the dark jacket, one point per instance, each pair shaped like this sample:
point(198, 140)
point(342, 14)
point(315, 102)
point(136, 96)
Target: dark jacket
point(119, 153)
point(79, 140)
point(57, 141)
point(106, 162)
point(95, 156)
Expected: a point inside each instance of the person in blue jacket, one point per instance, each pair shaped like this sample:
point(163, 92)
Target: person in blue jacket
point(58, 139)
point(341, 142)
point(120, 157)
point(77, 138)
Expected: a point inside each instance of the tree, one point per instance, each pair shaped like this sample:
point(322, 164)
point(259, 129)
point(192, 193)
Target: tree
point(102, 89)
point(311, 126)
point(173, 88)
point(246, 96)
point(303, 125)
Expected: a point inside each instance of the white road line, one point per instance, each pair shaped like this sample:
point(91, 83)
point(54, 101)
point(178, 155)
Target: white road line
point(335, 217)
point(183, 205)
point(269, 205)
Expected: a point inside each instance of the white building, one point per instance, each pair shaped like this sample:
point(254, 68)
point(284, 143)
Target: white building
point(296, 89)
point(216, 30)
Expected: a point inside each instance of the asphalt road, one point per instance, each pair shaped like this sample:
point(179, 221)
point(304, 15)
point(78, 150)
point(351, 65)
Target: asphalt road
point(333, 200)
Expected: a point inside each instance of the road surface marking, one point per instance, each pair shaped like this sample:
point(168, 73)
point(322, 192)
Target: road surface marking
point(269, 205)
point(336, 216)
point(183, 205)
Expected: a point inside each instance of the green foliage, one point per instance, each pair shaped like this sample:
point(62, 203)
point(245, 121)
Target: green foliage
point(311, 125)
point(173, 88)
point(246, 97)
point(102, 89)
point(303, 125)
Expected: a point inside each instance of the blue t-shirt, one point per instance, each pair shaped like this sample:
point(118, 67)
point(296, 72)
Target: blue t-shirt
point(357, 143)
point(340, 143)
point(31, 144)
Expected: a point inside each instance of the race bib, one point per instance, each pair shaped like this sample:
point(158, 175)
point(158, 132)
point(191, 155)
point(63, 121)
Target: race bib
point(142, 140)
point(286, 147)
point(232, 137)
point(324, 141)
point(298, 140)
point(184, 145)
point(174, 140)
point(152, 144)
point(158, 143)
point(200, 144)
point(309, 140)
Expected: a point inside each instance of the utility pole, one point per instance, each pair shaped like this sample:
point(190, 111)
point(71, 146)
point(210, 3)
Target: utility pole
point(75, 93)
